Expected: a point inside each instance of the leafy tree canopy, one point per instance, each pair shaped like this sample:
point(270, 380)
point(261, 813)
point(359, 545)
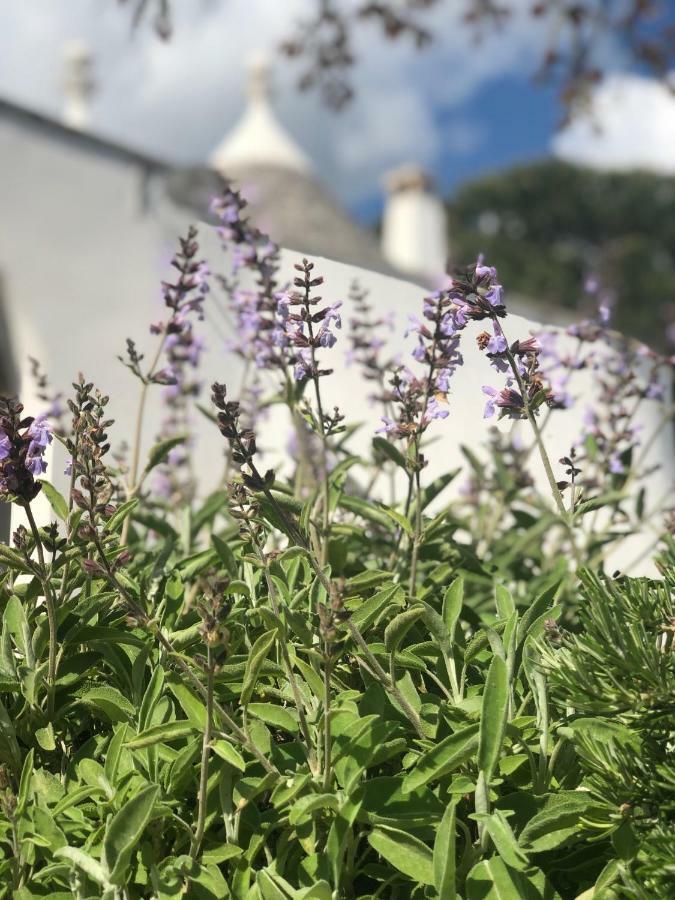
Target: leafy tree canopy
point(549, 225)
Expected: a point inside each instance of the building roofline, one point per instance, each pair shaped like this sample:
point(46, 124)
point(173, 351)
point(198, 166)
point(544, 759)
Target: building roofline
point(86, 139)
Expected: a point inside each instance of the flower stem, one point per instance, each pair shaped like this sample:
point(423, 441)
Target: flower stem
point(132, 483)
point(140, 614)
point(418, 529)
point(206, 748)
point(324, 446)
point(354, 631)
point(51, 611)
point(548, 469)
point(288, 666)
point(326, 718)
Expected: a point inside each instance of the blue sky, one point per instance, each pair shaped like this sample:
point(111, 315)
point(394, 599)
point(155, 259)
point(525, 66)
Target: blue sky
point(515, 121)
point(457, 109)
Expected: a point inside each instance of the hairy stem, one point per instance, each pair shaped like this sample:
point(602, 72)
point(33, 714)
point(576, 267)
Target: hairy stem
point(132, 483)
point(206, 749)
point(418, 530)
point(288, 667)
point(545, 459)
point(230, 725)
point(324, 444)
point(327, 775)
point(51, 611)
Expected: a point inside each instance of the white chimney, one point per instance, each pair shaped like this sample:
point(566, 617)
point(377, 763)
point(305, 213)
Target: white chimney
point(78, 84)
point(414, 225)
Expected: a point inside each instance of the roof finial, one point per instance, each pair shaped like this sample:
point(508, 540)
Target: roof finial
point(259, 77)
point(78, 84)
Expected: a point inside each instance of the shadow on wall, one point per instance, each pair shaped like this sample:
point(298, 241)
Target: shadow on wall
point(7, 388)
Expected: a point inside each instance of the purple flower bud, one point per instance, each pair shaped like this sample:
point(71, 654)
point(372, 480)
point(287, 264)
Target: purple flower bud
point(326, 338)
point(36, 465)
point(436, 410)
point(39, 432)
point(654, 391)
point(420, 352)
point(616, 467)
point(497, 343)
point(495, 295)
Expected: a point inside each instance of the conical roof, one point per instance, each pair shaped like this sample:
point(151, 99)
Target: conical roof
point(258, 138)
point(286, 200)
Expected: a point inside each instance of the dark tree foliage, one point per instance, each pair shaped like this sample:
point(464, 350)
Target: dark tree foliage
point(548, 226)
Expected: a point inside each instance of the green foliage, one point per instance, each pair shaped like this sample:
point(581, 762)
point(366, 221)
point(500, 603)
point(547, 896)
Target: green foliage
point(289, 690)
point(492, 799)
point(547, 225)
point(618, 674)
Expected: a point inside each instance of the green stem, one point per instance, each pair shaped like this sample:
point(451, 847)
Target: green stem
point(206, 749)
point(324, 446)
point(51, 611)
point(327, 775)
point(132, 483)
point(418, 528)
point(548, 469)
point(358, 638)
point(387, 683)
point(290, 674)
point(140, 614)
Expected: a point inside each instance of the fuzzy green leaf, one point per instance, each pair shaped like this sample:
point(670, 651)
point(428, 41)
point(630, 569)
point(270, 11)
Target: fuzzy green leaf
point(159, 452)
point(56, 500)
point(492, 879)
point(504, 839)
point(91, 867)
point(443, 757)
point(452, 605)
point(276, 716)
point(124, 511)
point(493, 716)
point(156, 734)
point(404, 852)
point(226, 751)
point(444, 854)
point(123, 832)
point(256, 658)
point(399, 626)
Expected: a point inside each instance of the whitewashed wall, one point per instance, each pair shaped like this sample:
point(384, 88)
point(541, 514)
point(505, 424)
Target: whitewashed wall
point(86, 238)
point(89, 341)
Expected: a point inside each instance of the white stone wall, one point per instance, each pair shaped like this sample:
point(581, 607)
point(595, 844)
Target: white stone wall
point(82, 261)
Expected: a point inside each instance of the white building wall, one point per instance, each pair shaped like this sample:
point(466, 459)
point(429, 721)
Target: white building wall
point(83, 258)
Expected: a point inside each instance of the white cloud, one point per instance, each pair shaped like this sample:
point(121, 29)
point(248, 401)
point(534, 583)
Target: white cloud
point(631, 125)
point(178, 99)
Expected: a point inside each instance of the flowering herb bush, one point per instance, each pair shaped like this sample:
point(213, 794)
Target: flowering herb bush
point(288, 689)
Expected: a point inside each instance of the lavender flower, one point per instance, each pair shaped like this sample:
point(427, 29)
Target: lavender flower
point(421, 399)
point(308, 326)
point(508, 400)
point(625, 374)
point(23, 442)
point(55, 408)
point(259, 314)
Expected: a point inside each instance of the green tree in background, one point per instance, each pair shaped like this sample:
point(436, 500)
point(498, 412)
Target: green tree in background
point(549, 225)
